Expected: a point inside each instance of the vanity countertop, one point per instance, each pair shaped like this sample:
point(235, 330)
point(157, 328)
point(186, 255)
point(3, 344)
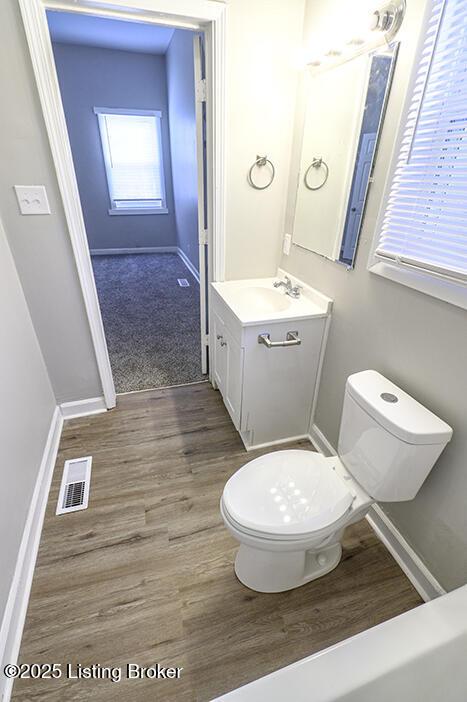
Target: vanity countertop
point(256, 300)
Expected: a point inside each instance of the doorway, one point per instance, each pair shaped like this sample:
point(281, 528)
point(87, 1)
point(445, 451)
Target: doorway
point(209, 18)
point(130, 103)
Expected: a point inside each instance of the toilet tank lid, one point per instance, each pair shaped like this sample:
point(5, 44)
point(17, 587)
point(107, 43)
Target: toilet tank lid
point(395, 410)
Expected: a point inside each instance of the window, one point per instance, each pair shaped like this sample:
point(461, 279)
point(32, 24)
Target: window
point(132, 148)
point(422, 232)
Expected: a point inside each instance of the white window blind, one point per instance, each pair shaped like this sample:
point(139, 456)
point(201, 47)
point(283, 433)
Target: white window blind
point(425, 221)
point(131, 144)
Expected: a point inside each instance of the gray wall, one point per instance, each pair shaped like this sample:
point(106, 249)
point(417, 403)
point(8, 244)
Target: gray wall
point(27, 404)
point(182, 119)
point(40, 245)
point(92, 77)
point(418, 342)
point(261, 40)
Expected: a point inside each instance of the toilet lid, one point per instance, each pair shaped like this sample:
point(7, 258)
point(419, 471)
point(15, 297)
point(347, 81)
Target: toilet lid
point(286, 492)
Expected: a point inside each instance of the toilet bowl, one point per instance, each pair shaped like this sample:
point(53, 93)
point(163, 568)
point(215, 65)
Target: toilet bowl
point(289, 509)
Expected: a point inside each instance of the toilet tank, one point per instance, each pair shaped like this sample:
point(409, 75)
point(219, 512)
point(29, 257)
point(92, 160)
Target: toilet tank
point(388, 441)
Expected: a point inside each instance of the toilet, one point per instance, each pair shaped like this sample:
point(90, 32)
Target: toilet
point(288, 509)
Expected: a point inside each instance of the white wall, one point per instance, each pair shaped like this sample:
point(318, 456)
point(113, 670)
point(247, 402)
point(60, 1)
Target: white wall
point(263, 38)
point(40, 245)
point(182, 121)
point(417, 341)
point(27, 404)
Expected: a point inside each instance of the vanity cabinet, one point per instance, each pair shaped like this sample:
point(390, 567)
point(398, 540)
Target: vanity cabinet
point(228, 368)
point(268, 392)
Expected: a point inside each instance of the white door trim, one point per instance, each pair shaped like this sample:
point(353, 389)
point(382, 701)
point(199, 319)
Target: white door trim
point(207, 15)
point(203, 236)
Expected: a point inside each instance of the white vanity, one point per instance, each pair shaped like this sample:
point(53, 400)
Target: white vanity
point(268, 349)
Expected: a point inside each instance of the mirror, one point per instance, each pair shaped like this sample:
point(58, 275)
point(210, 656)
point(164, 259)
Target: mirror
point(343, 112)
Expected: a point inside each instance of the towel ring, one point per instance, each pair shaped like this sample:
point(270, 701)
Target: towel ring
point(260, 162)
point(316, 163)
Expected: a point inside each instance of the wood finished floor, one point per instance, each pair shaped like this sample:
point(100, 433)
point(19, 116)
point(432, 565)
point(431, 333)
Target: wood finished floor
point(145, 574)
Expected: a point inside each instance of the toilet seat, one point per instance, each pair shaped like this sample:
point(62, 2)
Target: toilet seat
point(286, 494)
point(281, 542)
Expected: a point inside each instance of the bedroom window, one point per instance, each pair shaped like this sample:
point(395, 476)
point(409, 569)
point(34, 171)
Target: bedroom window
point(132, 148)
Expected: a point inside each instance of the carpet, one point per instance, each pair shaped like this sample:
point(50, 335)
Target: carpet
point(152, 325)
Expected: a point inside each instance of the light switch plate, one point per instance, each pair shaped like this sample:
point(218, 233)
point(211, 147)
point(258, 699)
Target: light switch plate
point(287, 243)
point(32, 199)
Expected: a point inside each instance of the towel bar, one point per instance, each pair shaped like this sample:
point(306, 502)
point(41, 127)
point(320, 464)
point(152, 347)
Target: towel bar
point(290, 340)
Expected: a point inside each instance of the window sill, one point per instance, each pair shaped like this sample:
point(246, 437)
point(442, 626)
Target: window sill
point(139, 211)
point(449, 291)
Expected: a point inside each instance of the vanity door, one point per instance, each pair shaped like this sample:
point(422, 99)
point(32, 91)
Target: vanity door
point(220, 354)
point(228, 368)
point(280, 382)
point(234, 378)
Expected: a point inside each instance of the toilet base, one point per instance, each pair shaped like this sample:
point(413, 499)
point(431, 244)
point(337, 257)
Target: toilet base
point(274, 571)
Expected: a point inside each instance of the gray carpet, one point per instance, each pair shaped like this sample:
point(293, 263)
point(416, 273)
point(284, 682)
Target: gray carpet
point(151, 324)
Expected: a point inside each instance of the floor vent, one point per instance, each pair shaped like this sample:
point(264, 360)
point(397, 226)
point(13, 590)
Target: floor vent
point(74, 489)
point(183, 282)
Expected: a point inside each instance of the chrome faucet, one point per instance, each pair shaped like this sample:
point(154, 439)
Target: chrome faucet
point(291, 290)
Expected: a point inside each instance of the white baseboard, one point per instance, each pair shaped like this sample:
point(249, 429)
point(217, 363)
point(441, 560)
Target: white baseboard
point(15, 611)
point(188, 264)
point(320, 442)
point(421, 578)
point(136, 250)
point(83, 408)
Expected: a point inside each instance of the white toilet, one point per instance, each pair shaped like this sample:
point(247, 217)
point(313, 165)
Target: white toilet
point(289, 509)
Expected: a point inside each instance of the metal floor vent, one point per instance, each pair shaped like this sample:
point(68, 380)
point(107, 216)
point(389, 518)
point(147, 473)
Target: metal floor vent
point(74, 488)
point(183, 282)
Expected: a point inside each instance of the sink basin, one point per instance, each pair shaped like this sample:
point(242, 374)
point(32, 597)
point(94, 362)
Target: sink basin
point(256, 301)
point(261, 300)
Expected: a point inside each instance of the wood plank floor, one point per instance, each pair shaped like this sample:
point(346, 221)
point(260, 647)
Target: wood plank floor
point(145, 574)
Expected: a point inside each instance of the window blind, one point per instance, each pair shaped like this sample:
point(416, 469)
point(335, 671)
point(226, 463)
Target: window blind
point(133, 160)
point(425, 221)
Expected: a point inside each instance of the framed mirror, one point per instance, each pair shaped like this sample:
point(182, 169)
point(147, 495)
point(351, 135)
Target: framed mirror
point(343, 114)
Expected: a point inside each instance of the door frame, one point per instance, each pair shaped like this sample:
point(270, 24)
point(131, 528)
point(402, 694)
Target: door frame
point(209, 16)
point(202, 162)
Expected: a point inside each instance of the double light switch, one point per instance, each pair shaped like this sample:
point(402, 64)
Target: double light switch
point(32, 199)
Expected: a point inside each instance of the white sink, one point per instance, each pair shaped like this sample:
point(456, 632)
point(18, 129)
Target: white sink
point(261, 300)
point(254, 301)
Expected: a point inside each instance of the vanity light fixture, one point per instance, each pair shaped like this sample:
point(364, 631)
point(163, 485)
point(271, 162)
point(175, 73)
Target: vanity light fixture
point(383, 25)
point(388, 19)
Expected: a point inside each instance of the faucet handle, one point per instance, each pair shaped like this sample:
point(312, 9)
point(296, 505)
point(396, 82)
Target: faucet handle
point(295, 291)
